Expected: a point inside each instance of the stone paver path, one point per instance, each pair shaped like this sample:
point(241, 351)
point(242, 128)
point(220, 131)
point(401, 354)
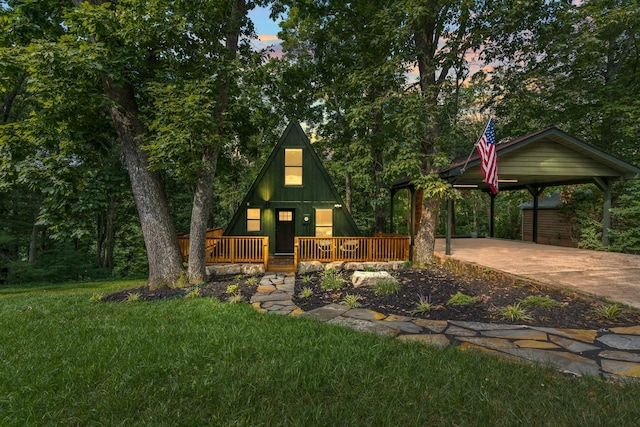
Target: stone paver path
point(610, 353)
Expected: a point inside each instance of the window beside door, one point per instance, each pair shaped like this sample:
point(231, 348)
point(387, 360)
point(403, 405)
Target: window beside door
point(324, 222)
point(253, 219)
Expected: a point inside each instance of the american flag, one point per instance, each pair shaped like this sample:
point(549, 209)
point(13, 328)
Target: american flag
point(487, 150)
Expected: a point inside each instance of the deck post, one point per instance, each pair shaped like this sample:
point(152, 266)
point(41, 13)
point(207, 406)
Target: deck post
point(265, 252)
point(296, 252)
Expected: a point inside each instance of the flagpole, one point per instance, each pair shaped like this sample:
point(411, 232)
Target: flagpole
point(474, 146)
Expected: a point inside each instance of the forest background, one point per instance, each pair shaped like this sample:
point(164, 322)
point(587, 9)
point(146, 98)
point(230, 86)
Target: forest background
point(123, 123)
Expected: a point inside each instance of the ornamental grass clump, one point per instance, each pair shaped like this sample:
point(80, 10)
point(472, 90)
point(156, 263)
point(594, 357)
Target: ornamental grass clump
point(386, 287)
point(133, 297)
point(306, 292)
point(331, 280)
point(424, 304)
point(515, 313)
point(607, 311)
point(193, 294)
point(352, 301)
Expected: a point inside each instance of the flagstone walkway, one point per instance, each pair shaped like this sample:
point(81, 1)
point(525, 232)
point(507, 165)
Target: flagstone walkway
point(613, 353)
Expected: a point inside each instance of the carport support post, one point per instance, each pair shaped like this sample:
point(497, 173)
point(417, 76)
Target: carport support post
point(535, 192)
point(447, 249)
point(605, 186)
point(492, 215)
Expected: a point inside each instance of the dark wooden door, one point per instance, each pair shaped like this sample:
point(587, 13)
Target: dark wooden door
point(285, 230)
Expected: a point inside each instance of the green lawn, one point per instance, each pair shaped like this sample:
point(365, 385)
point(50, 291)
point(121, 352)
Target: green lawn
point(65, 360)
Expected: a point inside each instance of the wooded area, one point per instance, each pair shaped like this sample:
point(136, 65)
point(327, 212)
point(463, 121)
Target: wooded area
point(125, 123)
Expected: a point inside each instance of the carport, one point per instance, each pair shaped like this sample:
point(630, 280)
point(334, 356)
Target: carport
point(542, 159)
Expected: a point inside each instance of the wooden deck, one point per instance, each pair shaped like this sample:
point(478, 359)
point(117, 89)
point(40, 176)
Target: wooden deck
point(255, 249)
point(351, 249)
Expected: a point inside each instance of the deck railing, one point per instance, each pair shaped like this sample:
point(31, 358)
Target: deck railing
point(183, 240)
point(231, 249)
point(347, 249)
point(255, 249)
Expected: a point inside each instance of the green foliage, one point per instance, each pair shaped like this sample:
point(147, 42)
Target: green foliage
point(540, 301)
point(386, 287)
point(331, 279)
point(252, 281)
point(515, 313)
point(307, 279)
point(582, 207)
point(625, 236)
point(232, 289)
point(461, 299)
point(352, 301)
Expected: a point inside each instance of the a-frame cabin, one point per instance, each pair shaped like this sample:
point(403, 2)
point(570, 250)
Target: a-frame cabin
point(292, 196)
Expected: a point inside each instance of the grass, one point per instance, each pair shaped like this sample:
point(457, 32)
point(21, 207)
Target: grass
point(541, 301)
point(461, 299)
point(65, 360)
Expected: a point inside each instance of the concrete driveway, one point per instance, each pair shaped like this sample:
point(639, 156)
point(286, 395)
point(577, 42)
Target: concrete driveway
point(613, 276)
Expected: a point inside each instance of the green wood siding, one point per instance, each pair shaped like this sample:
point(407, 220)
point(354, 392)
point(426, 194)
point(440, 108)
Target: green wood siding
point(269, 193)
point(546, 158)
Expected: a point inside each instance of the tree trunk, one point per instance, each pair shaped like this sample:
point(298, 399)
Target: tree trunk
point(348, 191)
point(426, 237)
point(202, 198)
point(161, 242)
point(105, 235)
point(203, 193)
point(33, 240)
point(427, 32)
point(158, 230)
point(379, 211)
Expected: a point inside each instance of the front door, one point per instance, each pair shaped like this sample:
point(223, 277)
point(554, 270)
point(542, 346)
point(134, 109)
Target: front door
point(285, 230)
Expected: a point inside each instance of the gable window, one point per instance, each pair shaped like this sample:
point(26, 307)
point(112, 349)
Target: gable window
point(253, 219)
point(324, 222)
point(292, 166)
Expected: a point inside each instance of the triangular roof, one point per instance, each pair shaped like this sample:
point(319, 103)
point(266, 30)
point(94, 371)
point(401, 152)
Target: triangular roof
point(294, 132)
point(548, 157)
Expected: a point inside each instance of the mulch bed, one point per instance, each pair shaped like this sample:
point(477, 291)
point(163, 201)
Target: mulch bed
point(218, 288)
point(435, 283)
point(440, 285)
